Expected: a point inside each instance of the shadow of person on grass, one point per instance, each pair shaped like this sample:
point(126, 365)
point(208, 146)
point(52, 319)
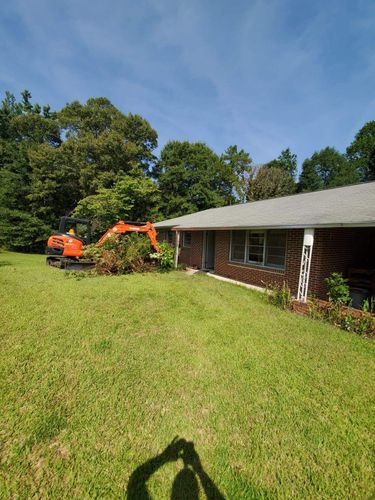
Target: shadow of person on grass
point(185, 485)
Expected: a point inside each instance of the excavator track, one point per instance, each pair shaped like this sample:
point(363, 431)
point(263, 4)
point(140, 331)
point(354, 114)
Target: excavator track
point(70, 264)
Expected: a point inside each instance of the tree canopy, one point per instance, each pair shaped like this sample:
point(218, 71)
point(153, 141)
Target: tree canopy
point(361, 152)
point(192, 177)
point(325, 169)
point(286, 161)
point(93, 161)
point(59, 163)
point(269, 182)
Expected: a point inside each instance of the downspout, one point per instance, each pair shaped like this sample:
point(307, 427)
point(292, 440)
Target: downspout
point(304, 274)
point(176, 249)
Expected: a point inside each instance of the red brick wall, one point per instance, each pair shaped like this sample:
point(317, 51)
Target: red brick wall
point(191, 256)
point(261, 276)
point(335, 250)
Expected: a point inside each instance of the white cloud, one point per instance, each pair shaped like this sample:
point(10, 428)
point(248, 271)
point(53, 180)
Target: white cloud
point(264, 75)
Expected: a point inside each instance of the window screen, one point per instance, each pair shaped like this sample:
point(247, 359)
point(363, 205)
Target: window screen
point(275, 251)
point(256, 247)
point(265, 248)
point(186, 239)
point(238, 246)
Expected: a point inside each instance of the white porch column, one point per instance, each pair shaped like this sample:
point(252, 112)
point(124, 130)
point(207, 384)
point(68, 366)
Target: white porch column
point(176, 249)
point(304, 274)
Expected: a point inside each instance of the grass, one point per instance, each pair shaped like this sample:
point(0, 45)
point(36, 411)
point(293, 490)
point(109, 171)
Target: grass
point(98, 375)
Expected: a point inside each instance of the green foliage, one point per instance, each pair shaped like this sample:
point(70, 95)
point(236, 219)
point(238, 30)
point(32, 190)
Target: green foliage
point(286, 161)
point(20, 230)
point(121, 255)
point(52, 163)
point(92, 160)
point(129, 253)
point(361, 152)
point(368, 305)
point(237, 164)
point(355, 321)
point(326, 169)
point(280, 296)
point(192, 177)
point(338, 289)
point(133, 198)
point(269, 182)
point(105, 143)
point(165, 257)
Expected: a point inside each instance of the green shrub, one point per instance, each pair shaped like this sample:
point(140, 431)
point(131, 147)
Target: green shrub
point(129, 253)
point(338, 289)
point(121, 255)
point(22, 231)
point(165, 257)
point(362, 323)
point(280, 296)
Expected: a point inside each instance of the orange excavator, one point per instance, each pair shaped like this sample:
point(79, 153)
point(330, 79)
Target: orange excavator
point(65, 248)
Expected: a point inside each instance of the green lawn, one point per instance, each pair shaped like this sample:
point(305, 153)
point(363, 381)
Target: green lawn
point(98, 375)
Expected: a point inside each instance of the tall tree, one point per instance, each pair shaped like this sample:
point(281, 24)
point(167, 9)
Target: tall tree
point(286, 161)
point(325, 169)
point(191, 177)
point(238, 166)
point(23, 128)
point(134, 198)
point(269, 182)
point(361, 152)
point(106, 143)
point(50, 161)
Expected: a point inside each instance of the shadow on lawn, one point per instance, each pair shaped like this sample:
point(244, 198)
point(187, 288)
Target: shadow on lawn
point(185, 485)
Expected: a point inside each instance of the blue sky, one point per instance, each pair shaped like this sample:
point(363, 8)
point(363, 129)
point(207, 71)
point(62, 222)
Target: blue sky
point(264, 75)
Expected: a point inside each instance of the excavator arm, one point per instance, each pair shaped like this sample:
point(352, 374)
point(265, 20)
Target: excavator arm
point(122, 227)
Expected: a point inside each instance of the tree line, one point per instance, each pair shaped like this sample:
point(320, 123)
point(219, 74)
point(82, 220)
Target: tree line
point(93, 161)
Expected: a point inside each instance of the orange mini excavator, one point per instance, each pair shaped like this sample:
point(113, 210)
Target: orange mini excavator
point(65, 248)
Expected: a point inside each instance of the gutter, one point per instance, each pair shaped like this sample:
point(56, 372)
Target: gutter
point(288, 226)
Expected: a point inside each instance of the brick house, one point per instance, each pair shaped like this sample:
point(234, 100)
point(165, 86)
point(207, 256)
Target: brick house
point(299, 239)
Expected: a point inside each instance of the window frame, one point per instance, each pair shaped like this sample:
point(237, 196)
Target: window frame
point(266, 252)
point(262, 264)
point(230, 249)
point(253, 262)
point(184, 245)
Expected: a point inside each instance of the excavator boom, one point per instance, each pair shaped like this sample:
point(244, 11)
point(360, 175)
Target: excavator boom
point(131, 227)
point(65, 248)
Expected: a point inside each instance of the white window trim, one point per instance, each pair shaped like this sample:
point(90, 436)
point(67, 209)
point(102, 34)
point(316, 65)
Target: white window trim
point(246, 262)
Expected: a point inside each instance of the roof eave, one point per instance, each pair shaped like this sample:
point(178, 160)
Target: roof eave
point(286, 226)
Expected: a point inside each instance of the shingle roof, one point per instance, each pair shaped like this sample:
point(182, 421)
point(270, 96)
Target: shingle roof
point(344, 206)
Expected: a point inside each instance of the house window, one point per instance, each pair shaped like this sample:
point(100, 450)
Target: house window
point(238, 245)
point(275, 249)
point(262, 248)
point(186, 239)
point(169, 237)
point(255, 248)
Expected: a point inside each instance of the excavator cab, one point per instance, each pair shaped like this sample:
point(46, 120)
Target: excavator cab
point(66, 246)
point(80, 228)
